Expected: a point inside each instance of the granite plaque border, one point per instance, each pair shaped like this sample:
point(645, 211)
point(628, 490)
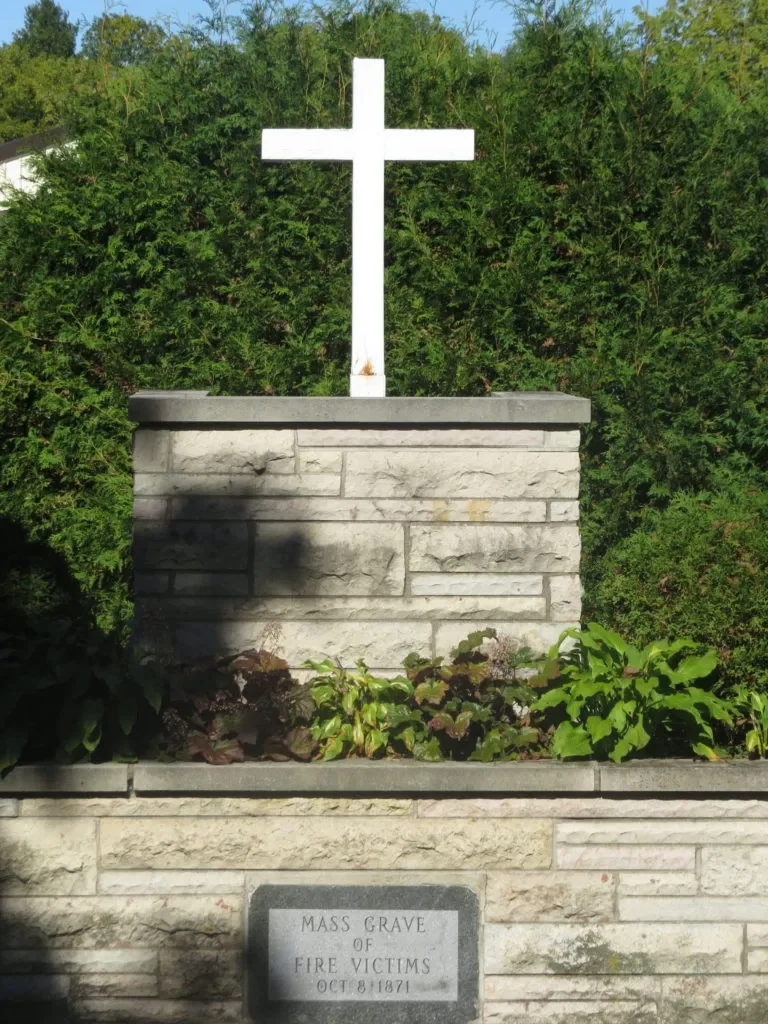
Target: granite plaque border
point(362, 897)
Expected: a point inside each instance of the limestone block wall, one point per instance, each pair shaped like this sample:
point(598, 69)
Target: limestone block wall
point(130, 906)
point(363, 527)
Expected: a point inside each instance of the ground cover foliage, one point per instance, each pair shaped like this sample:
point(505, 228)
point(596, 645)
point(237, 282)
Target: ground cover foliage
point(609, 240)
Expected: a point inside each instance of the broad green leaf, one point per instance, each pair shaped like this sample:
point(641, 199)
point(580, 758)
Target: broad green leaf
point(323, 694)
point(571, 741)
point(598, 728)
point(696, 667)
point(334, 749)
point(431, 692)
point(126, 713)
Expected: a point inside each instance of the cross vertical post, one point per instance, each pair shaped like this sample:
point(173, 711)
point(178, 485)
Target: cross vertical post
point(367, 144)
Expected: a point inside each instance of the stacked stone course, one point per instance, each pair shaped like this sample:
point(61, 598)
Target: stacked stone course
point(369, 541)
point(603, 911)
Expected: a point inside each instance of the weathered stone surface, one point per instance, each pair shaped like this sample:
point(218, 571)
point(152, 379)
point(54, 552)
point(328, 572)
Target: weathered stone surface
point(352, 609)
point(597, 987)
point(715, 1000)
point(151, 582)
point(163, 1011)
point(461, 473)
point(463, 583)
point(658, 883)
point(474, 880)
point(636, 948)
point(329, 558)
point(709, 779)
point(201, 974)
point(47, 857)
point(551, 1012)
point(66, 778)
point(185, 487)
point(664, 831)
point(319, 460)
point(539, 636)
point(563, 440)
point(187, 545)
point(9, 808)
point(378, 643)
point(88, 922)
point(564, 598)
point(693, 908)
point(377, 437)
point(326, 844)
point(216, 806)
point(549, 896)
point(233, 451)
point(78, 961)
point(388, 510)
point(96, 986)
point(609, 858)
point(214, 583)
point(757, 961)
point(513, 548)
point(734, 871)
point(757, 934)
point(563, 511)
point(31, 988)
point(592, 808)
point(170, 883)
point(150, 450)
point(150, 508)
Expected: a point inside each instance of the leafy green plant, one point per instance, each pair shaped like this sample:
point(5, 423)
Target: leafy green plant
point(358, 714)
point(752, 706)
point(617, 700)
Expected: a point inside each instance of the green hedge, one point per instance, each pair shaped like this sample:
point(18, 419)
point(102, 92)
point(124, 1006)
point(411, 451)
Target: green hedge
point(609, 240)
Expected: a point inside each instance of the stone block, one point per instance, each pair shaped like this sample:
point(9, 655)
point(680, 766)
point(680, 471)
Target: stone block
point(118, 1010)
point(757, 961)
point(327, 558)
point(233, 451)
point(151, 450)
point(213, 583)
point(629, 857)
point(734, 870)
point(150, 508)
point(190, 545)
point(564, 511)
point(150, 922)
point(57, 778)
point(732, 777)
point(757, 934)
point(479, 584)
point(564, 598)
point(100, 986)
point(352, 609)
point(549, 896)
point(563, 440)
point(461, 473)
point(494, 548)
point(31, 988)
point(592, 807)
point(187, 488)
point(170, 883)
point(660, 832)
point(151, 583)
point(553, 1012)
point(693, 908)
point(323, 843)
point(319, 460)
point(201, 974)
point(78, 961)
point(658, 883)
point(378, 437)
point(379, 643)
point(539, 636)
point(48, 857)
point(563, 987)
point(715, 1000)
point(256, 805)
point(387, 510)
point(636, 948)
point(9, 808)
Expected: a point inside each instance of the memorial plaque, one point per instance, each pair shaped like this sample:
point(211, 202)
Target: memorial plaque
point(321, 954)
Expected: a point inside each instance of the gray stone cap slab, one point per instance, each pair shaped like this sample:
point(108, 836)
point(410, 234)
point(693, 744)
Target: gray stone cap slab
point(636, 779)
point(520, 408)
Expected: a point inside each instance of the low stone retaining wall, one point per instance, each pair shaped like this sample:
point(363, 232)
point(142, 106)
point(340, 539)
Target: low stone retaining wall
point(364, 527)
point(608, 895)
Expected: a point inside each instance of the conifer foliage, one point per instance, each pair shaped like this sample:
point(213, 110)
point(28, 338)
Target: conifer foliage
point(609, 240)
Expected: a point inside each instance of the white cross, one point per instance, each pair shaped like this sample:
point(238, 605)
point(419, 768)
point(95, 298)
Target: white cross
point(367, 144)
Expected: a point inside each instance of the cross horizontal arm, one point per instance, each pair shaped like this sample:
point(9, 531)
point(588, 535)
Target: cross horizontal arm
point(307, 144)
point(429, 144)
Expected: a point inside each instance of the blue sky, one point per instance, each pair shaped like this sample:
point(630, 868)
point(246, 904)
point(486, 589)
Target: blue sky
point(492, 18)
